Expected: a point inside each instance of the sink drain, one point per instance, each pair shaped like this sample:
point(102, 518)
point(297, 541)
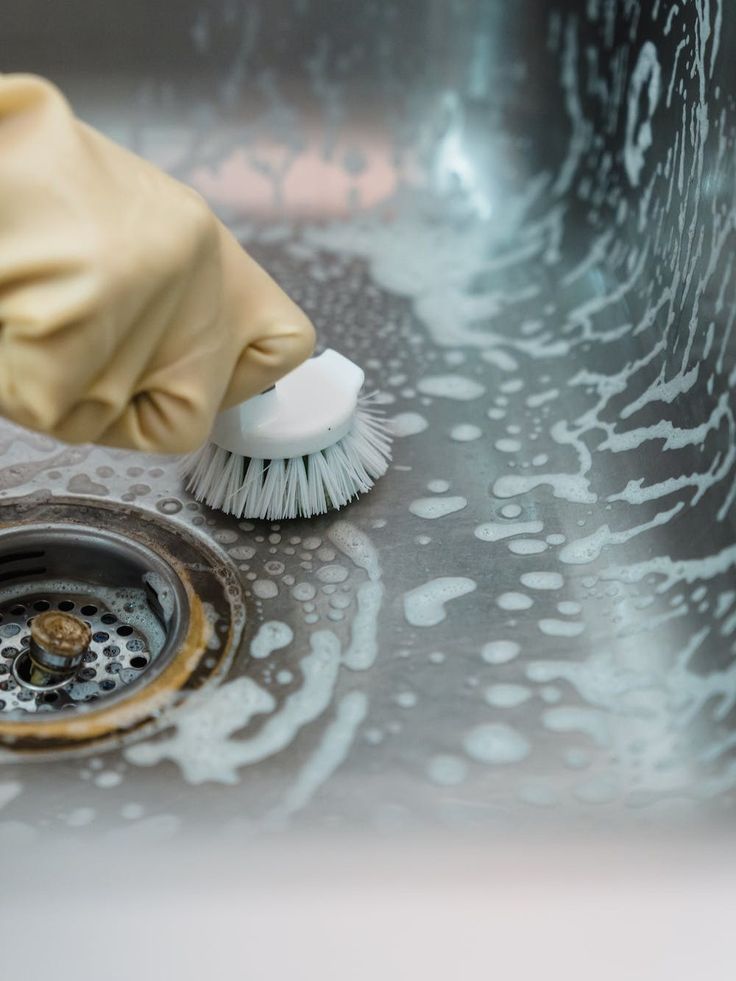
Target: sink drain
point(154, 612)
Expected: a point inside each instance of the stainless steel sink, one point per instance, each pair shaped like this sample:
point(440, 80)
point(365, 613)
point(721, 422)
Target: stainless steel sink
point(520, 218)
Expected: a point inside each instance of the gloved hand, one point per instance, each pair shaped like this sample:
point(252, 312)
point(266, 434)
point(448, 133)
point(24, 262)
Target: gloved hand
point(129, 316)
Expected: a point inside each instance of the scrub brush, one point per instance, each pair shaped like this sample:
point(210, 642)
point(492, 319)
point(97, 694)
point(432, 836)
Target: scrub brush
point(309, 444)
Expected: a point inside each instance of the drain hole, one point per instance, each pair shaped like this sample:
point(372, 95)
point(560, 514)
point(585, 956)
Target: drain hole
point(22, 556)
point(22, 668)
point(21, 573)
point(133, 597)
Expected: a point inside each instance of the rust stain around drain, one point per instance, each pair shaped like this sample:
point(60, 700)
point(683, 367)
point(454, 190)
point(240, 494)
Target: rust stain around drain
point(112, 724)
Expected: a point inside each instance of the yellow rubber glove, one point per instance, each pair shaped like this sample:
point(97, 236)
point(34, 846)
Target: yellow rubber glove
point(128, 314)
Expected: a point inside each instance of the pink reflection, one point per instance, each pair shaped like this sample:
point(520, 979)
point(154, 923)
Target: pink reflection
point(311, 187)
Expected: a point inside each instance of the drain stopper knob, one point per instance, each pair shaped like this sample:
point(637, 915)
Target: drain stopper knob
point(59, 642)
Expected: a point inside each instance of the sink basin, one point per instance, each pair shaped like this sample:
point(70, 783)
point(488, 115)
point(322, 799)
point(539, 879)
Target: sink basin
point(520, 220)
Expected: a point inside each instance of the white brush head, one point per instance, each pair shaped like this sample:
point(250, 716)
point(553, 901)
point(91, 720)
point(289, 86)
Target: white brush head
point(308, 445)
point(310, 409)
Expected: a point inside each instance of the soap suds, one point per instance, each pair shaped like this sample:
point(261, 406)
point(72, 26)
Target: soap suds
point(455, 387)
point(334, 746)
point(527, 546)
point(500, 651)
point(424, 606)
point(265, 588)
point(271, 636)
point(407, 424)
point(436, 507)
point(495, 531)
point(363, 648)
point(506, 695)
point(496, 743)
point(465, 433)
point(542, 580)
point(560, 628)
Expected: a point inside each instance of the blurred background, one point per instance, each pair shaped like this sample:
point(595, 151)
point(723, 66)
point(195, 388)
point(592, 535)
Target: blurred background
point(483, 718)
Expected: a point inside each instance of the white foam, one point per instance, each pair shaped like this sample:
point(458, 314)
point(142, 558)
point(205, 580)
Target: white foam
point(424, 606)
point(500, 651)
point(600, 680)
point(542, 580)
point(506, 695)
point(638, 138)
point(333, 748)
point(527, 546)
point(591, 722)
point(437, 507)
point(465, 432)
point(560, 628)
point(332, 574)
point(507, 445)
point(496, 743)
point(495, 531)
point(456, 387)
point(588, 549)
point(408, 424)
point(303, 592)
point(569, 608)
point(539, 398)
point(352, 542)
point(265, 588)
point(201, 744)
point(241, 553)
point(568, 486)
point(271, 636)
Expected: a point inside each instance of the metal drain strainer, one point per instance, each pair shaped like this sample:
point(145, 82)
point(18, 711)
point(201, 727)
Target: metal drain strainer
point(116, 656)
point(164, 612)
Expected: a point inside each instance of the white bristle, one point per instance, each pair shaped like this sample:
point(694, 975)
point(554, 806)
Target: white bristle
point(297, 487)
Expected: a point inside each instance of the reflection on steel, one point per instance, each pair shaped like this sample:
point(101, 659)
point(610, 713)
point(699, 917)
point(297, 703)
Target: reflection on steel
point(520, 219)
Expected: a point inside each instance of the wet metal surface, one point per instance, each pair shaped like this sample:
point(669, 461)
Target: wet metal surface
point(520, 220)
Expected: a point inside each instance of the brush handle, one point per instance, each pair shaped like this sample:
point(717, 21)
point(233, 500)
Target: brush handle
point(310, 409)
